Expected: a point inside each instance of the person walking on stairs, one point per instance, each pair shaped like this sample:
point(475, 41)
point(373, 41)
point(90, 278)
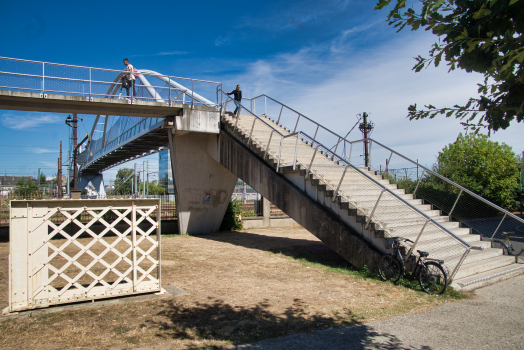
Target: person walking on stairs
point(237, 98)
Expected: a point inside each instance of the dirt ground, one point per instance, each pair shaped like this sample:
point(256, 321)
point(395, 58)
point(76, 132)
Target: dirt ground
point(243, 286)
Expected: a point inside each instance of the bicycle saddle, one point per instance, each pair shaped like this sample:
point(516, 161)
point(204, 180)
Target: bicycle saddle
point(422, 254)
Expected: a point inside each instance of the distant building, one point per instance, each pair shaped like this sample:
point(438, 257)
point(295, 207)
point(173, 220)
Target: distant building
point(165, 174)
point(8, 183)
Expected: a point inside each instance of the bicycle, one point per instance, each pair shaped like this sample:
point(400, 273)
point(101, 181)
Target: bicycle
point(507, 246)
point(431, 275)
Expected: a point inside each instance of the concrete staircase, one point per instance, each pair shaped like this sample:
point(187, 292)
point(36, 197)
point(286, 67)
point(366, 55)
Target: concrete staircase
point(351, 194)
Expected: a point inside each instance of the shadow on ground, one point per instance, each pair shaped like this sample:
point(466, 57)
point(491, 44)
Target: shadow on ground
point(313, 251)
point(219, 321)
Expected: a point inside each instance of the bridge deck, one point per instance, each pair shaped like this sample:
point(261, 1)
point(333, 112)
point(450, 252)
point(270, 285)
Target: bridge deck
point(31, 101)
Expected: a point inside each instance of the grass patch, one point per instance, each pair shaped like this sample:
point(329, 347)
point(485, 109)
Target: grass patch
point(121, 330)
point(366, 273)
point(133, 340)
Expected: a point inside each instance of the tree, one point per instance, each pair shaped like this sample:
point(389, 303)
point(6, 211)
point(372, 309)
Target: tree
point(124, 180)
point(156, 188)
point(26, 187)
point(482, 166)
point(483, 36)
point(42, 179)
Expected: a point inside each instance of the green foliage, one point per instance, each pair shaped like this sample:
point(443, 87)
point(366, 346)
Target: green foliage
point(123, 181)
point(482, 166)
point(156, 188)
point(483, 36)
point(231, 219)
point(41, 179)
point(26, 187)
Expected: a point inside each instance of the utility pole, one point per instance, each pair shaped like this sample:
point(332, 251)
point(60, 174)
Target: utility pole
point(366, 128)
point(147, 172)
point(520, 165)
point(143, 179)
point(73, 122)
point(59, 177)
point(135, 181)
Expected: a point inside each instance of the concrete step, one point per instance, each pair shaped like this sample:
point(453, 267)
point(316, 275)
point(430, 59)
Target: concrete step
point(472, 269)
point(489, 277)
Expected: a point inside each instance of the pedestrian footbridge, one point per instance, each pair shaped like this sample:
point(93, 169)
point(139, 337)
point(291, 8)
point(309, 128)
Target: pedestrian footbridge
point(353, 204)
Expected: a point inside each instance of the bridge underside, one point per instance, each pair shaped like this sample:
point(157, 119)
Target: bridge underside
point(143, 145)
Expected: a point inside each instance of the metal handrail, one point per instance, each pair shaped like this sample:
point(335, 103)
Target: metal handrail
point(99, 69)
point(343, 139)
point(466, 244)
point(447, 180)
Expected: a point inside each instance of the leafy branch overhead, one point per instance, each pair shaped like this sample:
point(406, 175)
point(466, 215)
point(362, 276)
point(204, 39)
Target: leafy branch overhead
point(483, 36)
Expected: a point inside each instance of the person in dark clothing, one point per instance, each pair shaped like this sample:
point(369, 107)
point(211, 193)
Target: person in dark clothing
point(237, 99)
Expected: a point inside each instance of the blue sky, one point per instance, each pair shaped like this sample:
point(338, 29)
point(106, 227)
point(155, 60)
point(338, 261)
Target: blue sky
point(329, 60)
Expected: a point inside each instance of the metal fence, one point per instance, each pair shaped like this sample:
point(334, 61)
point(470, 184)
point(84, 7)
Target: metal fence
point(115, 253)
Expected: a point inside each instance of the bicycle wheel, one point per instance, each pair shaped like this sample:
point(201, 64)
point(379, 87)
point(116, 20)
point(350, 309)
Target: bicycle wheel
point(433, 279)
point(389, 268)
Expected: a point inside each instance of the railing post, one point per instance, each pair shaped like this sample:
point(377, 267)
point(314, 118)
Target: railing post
point(500, 223)
point(464, 256)
point(43, 78)
point(312, 158)
point(294, 130)
point(336, 146)
point(268, 143)
point(416, 241)
point(265, 105)
point(369, 156)
point(281, 108)
point(296, 151)
point(375, 207)
point(456, 201)
point(192, 94)
point(316, 131)
point(169, 86)
point(251, 133)
point(340, 183)
point(89, 83)
point(418, 182)
point(279, 152)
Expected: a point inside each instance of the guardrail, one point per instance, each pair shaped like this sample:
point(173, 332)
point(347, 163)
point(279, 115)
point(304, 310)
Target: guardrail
point(455, 254)
point(55, 78)
point(460, 204)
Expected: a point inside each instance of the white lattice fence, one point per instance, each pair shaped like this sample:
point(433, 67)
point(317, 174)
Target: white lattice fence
point(78, 250)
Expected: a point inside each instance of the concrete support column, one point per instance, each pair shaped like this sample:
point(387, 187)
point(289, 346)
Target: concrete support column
point(203, 187)
point(265, 212)
point(96, 179)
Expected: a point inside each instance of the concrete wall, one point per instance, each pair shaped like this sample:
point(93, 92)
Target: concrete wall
point(296, 203)
point(259, 222)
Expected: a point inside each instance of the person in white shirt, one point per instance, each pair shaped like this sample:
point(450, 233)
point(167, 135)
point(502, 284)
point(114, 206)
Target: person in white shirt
point(130, 77)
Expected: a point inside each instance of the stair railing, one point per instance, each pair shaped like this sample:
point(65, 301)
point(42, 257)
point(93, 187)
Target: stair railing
point(308, 166)
point(460, 204)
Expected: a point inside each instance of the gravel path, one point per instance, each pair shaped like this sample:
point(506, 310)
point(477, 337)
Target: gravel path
point(493, 319)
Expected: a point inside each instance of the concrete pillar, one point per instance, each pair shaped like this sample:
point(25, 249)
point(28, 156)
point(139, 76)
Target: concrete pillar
point(203, 187)
point(96, 179)
point(265, 212)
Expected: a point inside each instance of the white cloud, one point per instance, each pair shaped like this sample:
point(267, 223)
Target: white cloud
point(29, 121)
point(331, 86)
point(39, 150)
